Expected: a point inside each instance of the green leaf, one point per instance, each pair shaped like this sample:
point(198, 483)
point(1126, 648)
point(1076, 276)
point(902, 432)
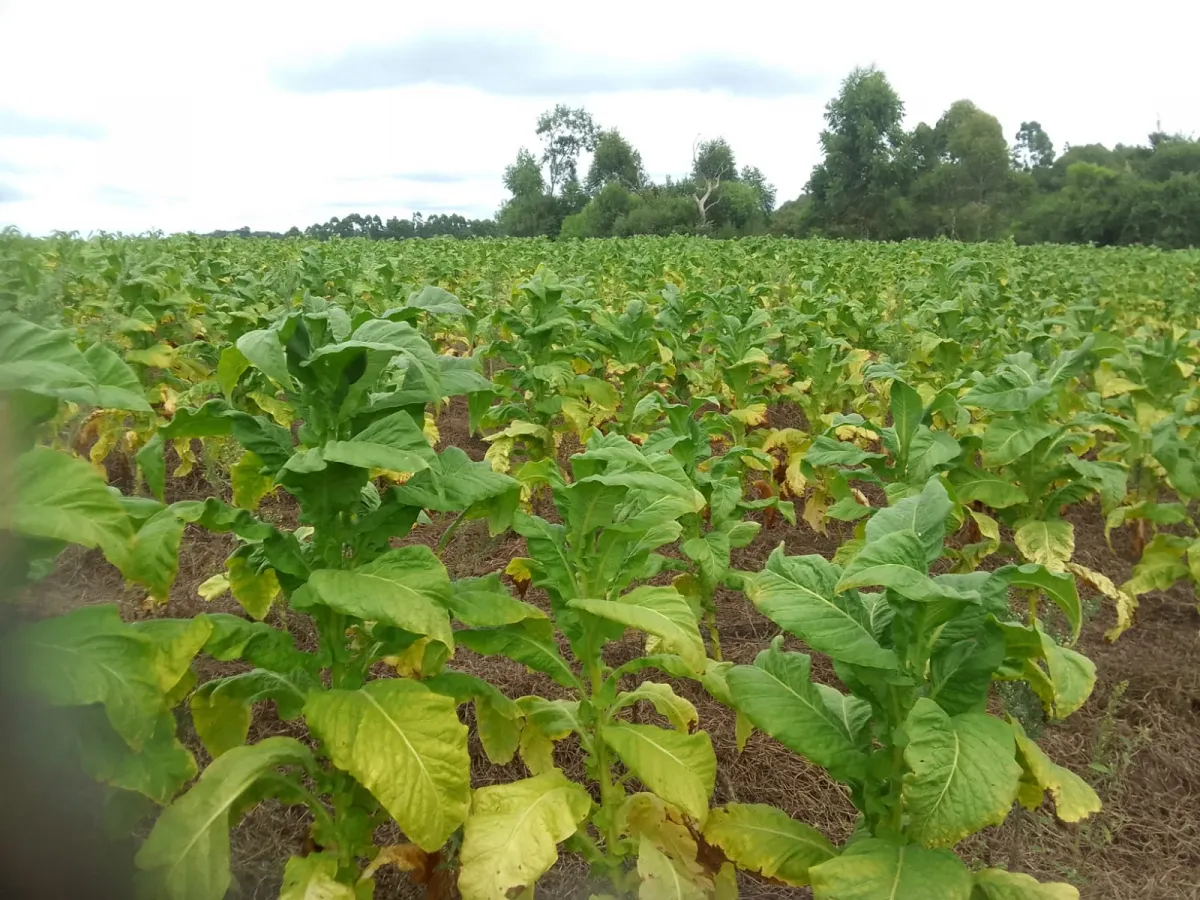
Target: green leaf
point(530, 642)
point(767, 840)
point(876, 869)
point(778, 696)
point(436, 301)
point(117, 387)
point(510, 835)
point(62, 498)
point(1049, 543)
point(186, 856)
point(923, 515)
point(1161, 565)
point(799, 594)
point(486, 603)
point(314, 877)
point(153, 465)
point(974, 485)
point(407, 587)
point(1059, 587)
point(660, 611)
point(961, 673)
point(964, 773)
point(90, 656)
point(454, 482)
point(1072, 676)
point(403, 743)
point(907, 410)
point(157, 769)
point(43, 362)
point(230, 367)
point(680, 768)
point(221, 709)
point(826, 451)
point(1007, 440)
point(264, 351)
point(897, 561)
point(997, 884)
point(153, 557)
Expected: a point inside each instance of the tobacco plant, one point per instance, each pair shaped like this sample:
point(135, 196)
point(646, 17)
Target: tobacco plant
point(925, 764)
point(623, 505)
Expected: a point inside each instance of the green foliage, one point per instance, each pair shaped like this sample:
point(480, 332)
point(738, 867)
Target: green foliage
point(926, 765)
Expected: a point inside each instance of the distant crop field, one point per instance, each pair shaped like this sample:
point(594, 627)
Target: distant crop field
point(655, 567)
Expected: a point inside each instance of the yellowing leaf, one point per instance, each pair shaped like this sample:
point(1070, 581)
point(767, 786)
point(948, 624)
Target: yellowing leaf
point(998, 884)
point(279, 410)
point(1125, 601)
point(254, 590)
point(768, 841)
point(1050, 543)
point(247, 481)
point(432, 435)
point(814, 510)
point(1074, 799)
point(518, 569)
point(187, 459)
point(1111, 383)
point(754, 414)
point(510, 834)
point(796, 481)
point(403, 743)
point(314, 877)
point(663, 879)
point(680, 768)
point(212, 588)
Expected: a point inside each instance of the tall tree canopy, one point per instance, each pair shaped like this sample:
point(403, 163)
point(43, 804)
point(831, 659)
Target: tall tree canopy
point(851, 189)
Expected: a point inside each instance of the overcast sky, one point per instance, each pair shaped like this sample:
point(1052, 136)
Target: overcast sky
point(178, 115)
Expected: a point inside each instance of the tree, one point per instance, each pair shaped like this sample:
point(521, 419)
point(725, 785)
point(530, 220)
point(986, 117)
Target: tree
point(754, 177)
point(565, 133)
point(524, 177)
point(615, 160)
point(712, 161)
point(599, 217)
point(1034, 149)
point(854, 186)
point(965, 194)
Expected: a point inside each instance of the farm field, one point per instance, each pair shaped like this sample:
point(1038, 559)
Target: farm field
point(657, 568)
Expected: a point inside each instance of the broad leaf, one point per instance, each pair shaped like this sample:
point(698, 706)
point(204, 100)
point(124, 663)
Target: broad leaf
point(778, 696)
point(660, 611)
point(799, 594)
point(62, 498)
point(1074, 799)
point(964, 773)
point(875, 869)
point(767, 840)
point(680, 768)
point(403, 743)
point(186, 856)
point(407, 587)
point(510, 835)
point(998, 884)
point(1049, 543)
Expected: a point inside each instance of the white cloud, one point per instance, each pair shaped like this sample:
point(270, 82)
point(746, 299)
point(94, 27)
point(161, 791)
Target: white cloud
point(143, 115)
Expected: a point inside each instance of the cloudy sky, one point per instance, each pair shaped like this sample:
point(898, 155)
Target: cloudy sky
point(182, 115)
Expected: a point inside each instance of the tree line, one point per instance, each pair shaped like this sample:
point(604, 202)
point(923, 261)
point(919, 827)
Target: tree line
point(959, 178)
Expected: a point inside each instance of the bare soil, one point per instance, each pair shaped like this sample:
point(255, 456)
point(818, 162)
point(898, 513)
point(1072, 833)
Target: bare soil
point(1137, 740)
